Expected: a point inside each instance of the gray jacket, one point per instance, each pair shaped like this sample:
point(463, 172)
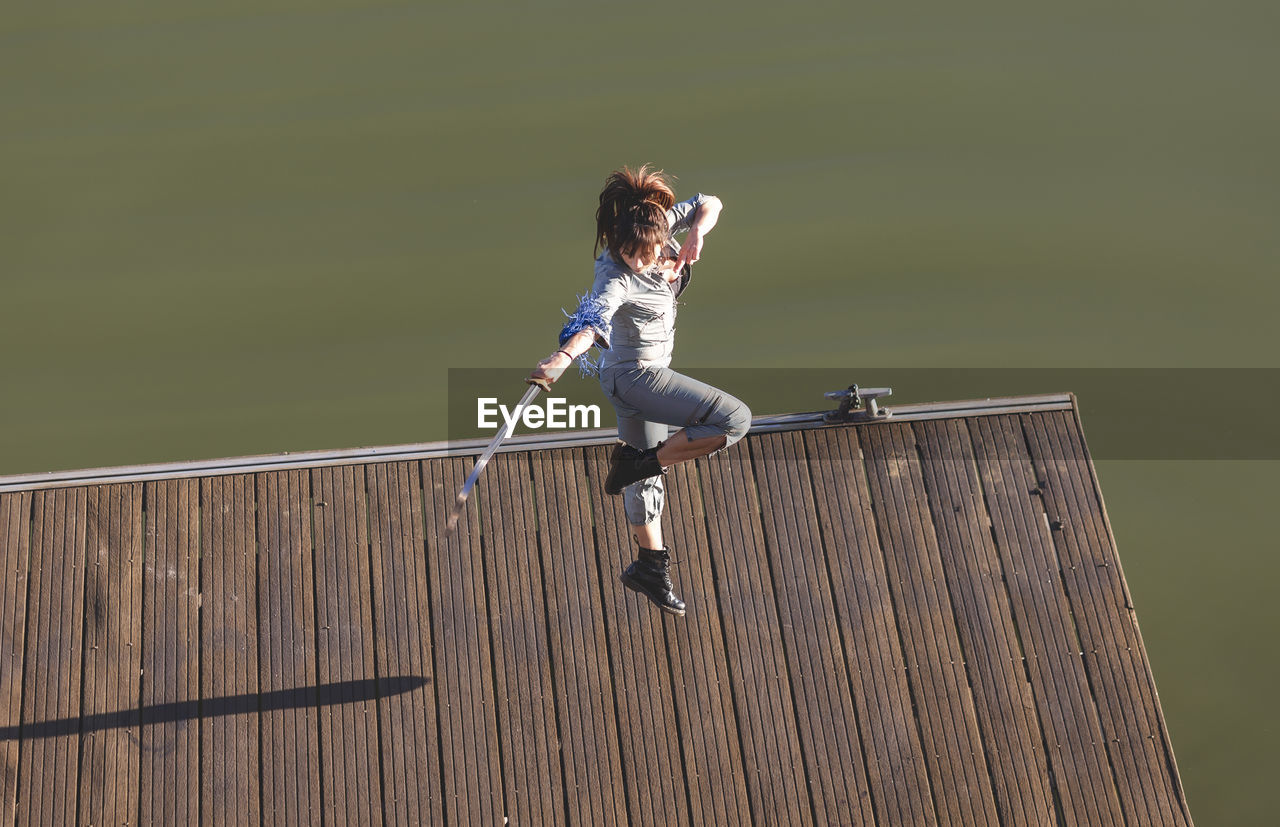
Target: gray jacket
point(633, 314)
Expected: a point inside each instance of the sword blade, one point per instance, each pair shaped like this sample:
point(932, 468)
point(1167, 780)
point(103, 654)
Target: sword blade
point(503, 433)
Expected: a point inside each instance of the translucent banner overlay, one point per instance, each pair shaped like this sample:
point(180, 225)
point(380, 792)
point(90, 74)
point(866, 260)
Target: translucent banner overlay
point(1127, 413)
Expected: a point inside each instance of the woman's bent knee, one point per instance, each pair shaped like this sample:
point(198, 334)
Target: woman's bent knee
point(731, 419)
point(737, 423)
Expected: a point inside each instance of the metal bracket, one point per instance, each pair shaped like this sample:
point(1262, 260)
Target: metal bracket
point(852, 408)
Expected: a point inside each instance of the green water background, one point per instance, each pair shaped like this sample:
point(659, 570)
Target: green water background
point(244, 228)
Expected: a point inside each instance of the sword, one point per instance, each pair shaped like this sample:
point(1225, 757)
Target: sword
point(535, 385)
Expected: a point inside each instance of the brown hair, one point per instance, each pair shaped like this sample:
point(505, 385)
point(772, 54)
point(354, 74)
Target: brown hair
point(633, 211)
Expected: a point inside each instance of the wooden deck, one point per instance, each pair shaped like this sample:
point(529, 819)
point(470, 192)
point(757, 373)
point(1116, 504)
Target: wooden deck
point(914, 622)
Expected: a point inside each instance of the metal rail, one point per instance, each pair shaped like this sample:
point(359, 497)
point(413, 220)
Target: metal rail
point(466, 447)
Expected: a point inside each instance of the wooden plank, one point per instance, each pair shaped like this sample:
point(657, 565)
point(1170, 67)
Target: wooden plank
point(15, 550)
point(584, 688)
point(828, 726)
point(896, 774)
point(287, 645)
point(230, 751)
point(774, 761)
point(896, 769)
point(348, 715)
point(48, 767)
point(1077, 755)
point(648, 726)
point(412, 791)
point(945, 712)
point(112, 643)
point(170, 737)
point(1006, 709)
point(715, 771)
point(532, 771)
point(471, 763)
point(15, 523)
point(1114, 657)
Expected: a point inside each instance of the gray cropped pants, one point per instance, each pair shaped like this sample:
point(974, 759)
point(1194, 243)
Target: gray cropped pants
point(649, 399)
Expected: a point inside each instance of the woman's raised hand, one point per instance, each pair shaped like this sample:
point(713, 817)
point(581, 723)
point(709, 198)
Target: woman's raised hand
point(703, 220)
point(690, 252)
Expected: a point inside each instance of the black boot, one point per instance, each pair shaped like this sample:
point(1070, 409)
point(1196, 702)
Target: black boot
point(628, 465)
point(650, 575)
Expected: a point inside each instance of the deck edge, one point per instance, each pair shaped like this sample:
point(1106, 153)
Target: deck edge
point(989, 406)
point(1175, 773)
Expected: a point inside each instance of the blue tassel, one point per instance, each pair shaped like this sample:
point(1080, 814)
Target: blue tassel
point(590, 314)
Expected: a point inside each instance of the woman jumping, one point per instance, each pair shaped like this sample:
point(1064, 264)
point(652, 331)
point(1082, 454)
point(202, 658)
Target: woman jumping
point(630, 313)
